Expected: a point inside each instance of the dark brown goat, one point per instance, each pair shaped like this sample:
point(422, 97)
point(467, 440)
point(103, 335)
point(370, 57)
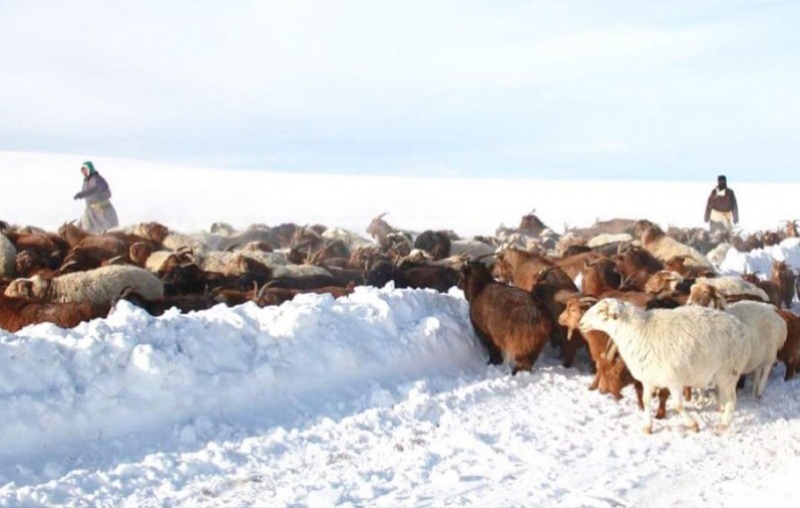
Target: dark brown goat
point(440, 278)
point(767, 286)
point(276, 296)
point(599, 276)
point(184, 303)
point(635, 265)
point(519, 267)
point(505, 319)
point(435, 243)
point(16, 313)
point(790, 352)
point(552, 286)
point(784, 277)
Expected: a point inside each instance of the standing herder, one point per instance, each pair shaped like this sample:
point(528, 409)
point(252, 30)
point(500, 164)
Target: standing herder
point(99, 215)
point(722, 212)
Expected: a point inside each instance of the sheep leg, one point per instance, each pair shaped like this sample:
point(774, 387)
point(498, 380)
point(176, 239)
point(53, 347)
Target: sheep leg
point(688, 420)
point(647, 396)
point(727, 398)
point(763, 378)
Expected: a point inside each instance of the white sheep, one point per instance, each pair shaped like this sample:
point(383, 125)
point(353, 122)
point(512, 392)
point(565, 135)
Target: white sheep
point(228, 262)
point(665, 247)
point(8, 256)
point(101, 285)
point(155, 261)
point(687, 346)
point(767, 330)
point(474, 249)
point(607, 238)
point(352, 240)
point(716, 256)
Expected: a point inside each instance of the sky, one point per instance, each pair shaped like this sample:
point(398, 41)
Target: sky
point(381, 398)
point(547, 89)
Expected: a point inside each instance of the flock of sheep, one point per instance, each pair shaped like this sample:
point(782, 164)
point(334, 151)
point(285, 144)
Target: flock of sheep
point(651, 309)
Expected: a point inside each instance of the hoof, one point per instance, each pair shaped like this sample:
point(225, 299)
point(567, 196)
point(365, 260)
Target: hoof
point(694, 427)
point(647, 429)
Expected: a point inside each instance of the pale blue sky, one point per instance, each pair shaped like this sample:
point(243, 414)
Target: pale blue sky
point(568, 88)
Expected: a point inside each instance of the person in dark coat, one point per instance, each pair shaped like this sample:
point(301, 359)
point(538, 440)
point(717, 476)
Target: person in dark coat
point(722, 212)
point(100, 214)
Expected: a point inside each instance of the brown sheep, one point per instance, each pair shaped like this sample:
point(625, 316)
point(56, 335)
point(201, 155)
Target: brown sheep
point(17, 313)
point(790, 352)
point(784, 277)
point(505, 319)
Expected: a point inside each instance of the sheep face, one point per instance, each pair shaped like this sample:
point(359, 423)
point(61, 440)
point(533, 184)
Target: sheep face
point(603, 316)
point(20, 288)
point(662, 281)
point(705, 295)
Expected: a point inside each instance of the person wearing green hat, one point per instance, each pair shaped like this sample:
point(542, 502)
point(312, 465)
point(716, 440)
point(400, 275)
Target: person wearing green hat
point(100, 214)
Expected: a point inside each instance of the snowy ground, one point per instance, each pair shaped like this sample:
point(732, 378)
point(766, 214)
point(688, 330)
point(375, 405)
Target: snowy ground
point(381, 398)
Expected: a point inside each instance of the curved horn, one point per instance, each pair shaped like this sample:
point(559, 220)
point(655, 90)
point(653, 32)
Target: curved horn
point(266, 286)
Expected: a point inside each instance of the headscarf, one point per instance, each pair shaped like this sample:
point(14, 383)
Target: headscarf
point(88, 165)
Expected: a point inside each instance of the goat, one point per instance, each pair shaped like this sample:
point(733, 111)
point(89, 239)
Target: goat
point(440, 278)
point(790, 352)
point(436, 243)
point(599, 276)
point(17, 313)
point(769, 287)
point(784, 278)
point(505, 319)
point(635, 265)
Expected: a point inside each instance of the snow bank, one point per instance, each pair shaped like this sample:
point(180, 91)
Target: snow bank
point(132, 373)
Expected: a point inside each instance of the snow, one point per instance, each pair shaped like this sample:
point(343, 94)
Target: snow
point(381, 398)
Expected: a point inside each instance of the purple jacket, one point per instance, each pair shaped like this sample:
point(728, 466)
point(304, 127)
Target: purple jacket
point(95, 189)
